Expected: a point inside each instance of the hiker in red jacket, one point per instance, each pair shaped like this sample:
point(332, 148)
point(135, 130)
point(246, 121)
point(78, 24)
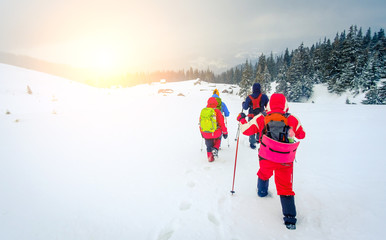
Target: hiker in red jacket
point(277, 151)
point(212, 139)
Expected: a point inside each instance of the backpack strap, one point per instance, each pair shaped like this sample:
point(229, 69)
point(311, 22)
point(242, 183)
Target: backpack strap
point(255, 101)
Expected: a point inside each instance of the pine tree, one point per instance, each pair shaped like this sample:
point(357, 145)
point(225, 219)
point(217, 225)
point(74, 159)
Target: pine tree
point(255, 70)
point(266, 87)
point(287, 58)
point(382, 93)
point(370, 74)
point(379, 51)
point(262, 63)
point(231, 76)
point(299, 78)
point(321, 62)
point(349, 51)
point(317, 63)
point(238, 76)
point(262, 74)
point(271, 67)
point(367, 39)
point(282, 86)
point(334, 66)
point(246, 80)
point(372, 96)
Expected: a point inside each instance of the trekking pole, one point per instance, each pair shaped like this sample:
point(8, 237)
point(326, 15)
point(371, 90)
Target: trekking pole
point(237, 148)
point(238, 129)
point(234, 169)
point(228, 143)
point(226, 124)
point(202, 142)
point(237, 134)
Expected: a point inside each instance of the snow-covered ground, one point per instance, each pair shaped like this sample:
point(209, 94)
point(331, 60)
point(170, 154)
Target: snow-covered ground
point(78, 162)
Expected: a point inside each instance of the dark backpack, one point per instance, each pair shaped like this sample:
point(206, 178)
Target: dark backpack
point(276, 126)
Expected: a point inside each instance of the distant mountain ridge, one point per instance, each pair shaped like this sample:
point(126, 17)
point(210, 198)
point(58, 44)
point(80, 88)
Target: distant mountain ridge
point(61, 70)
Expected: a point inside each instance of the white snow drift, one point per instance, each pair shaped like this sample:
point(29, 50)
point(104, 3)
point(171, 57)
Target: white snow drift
point(78, 162)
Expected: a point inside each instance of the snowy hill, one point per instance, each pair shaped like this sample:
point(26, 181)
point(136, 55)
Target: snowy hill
point(78, 162)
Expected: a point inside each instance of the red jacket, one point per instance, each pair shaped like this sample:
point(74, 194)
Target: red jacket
point(277, 103)
point(222, 129)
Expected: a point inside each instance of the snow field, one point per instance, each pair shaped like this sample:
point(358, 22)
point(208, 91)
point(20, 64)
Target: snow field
point(127, 164)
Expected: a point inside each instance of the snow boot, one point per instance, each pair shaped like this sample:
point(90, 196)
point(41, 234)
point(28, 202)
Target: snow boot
point(262, 187)
point(289, 211)
point(291, 226)
point(210, 156)
point(252, 141)
point(215, 152)
point(257, 138)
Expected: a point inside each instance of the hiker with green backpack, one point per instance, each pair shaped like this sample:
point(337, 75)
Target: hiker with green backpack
point(212, 126)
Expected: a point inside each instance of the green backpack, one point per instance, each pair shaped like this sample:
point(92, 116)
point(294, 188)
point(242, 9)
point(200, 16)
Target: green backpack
point(219, 106)
point(208, 122)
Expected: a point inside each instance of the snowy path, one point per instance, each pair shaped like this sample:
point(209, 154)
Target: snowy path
point(126, 164)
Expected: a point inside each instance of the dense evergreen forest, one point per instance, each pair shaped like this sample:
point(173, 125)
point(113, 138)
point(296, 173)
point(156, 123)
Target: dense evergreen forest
point(353, 62)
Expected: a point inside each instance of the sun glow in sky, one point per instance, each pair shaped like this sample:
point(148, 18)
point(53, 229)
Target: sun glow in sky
point(128, 35)
point(104, 57)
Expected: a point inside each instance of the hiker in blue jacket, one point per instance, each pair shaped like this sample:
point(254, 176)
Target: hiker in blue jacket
point(223, 108)
point(256, 103)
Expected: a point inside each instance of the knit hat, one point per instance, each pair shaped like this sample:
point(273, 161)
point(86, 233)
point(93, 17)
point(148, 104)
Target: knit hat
point(256, 88)
point(216, 92)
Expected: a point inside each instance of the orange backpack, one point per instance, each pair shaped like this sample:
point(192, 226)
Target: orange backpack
point(276, 126)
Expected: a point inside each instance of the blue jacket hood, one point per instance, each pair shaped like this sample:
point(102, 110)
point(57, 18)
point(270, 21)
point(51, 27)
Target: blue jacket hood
point(256, 88)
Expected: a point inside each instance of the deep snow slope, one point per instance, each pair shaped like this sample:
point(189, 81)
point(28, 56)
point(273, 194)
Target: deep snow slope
point(78, 162)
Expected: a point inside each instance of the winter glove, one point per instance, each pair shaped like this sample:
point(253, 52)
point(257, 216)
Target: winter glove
point(291, 133)
point(225, 135)
point(240, 116)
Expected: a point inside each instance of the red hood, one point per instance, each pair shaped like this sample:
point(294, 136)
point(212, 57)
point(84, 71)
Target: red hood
point(277, 103)
point(212, 102)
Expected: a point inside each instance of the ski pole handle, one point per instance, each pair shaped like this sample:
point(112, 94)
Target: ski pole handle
point(238, 128)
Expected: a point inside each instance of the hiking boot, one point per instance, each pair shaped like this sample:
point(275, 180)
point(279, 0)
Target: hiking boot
point(262, 187)
point(290, 226)
point(215, 152)
point(253, 146)
point(210, 157)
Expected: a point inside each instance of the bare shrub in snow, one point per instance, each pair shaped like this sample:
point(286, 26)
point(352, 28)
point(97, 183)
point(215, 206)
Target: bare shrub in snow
point(29, 91)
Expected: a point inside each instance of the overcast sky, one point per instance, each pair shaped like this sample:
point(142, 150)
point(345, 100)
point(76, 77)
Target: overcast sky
point(146, 35)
